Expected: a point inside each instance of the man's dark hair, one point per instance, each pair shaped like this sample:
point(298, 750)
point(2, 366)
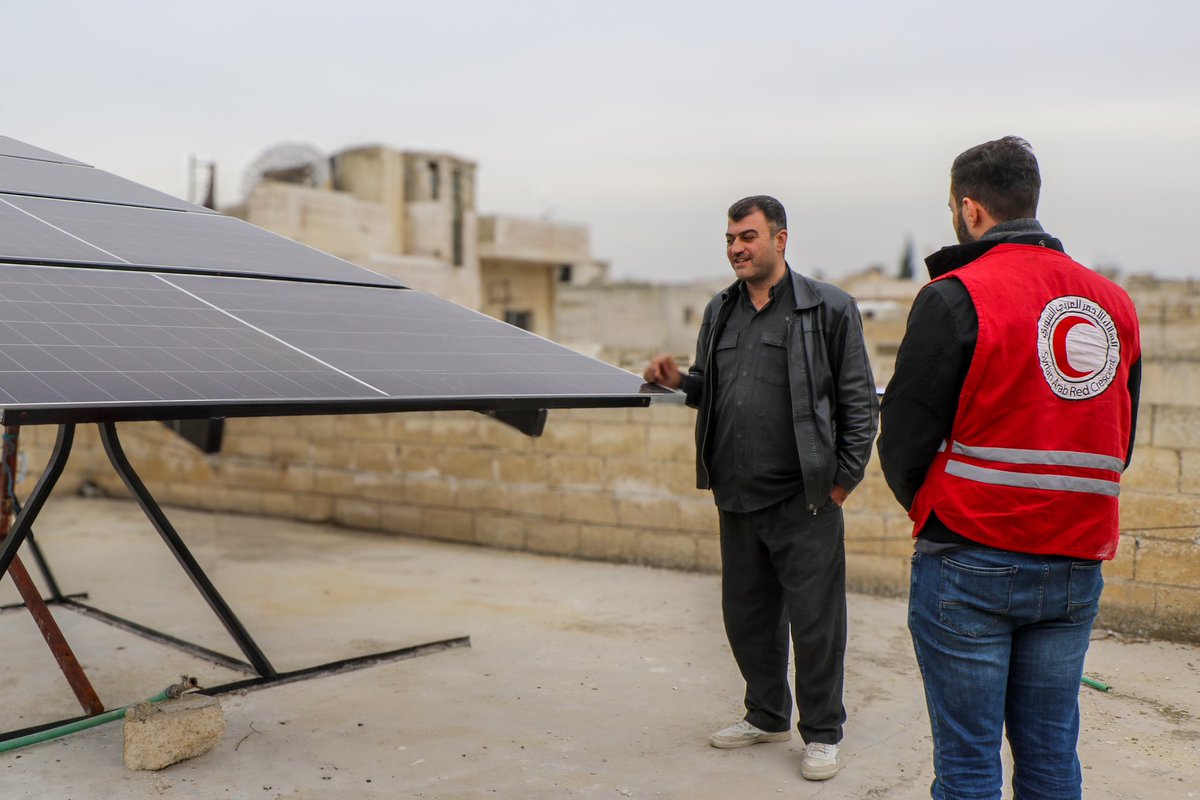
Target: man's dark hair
point(771, 208)
point(1002, 176)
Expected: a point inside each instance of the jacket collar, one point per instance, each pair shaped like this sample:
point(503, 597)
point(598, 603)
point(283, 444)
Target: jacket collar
point(1012, 232)
point(804, 290)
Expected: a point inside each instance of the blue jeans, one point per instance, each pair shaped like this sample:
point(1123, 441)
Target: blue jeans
point(1000, 638)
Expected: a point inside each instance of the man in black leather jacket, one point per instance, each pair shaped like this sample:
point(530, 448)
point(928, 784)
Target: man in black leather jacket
point(787, 416)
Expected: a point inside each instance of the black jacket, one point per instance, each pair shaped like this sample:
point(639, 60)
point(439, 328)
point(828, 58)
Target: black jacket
point(835, 409)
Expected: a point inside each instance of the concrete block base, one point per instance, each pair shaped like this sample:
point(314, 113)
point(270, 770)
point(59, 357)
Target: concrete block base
point(158, 735)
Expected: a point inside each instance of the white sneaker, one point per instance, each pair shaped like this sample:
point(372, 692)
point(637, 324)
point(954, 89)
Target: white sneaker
point(820, 761)
point(743, 734)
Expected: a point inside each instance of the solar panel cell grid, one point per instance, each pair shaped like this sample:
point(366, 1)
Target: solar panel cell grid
point(16, 149)
point(408, 343)
point(26, 237)
point(147, 237)
point(78, 182)
point(85, 336)
point(140, 344)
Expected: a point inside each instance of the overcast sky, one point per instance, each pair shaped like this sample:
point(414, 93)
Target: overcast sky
point(645, 120)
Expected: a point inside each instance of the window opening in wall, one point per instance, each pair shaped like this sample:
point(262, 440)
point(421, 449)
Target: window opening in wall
point(565, 273)
point(457, 221)
point(500, 292)
point(689, 314)
point(521, 319)
point(435, 180)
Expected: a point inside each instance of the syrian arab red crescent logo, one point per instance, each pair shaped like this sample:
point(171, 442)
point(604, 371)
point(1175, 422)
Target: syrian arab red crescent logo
point(1078, 347)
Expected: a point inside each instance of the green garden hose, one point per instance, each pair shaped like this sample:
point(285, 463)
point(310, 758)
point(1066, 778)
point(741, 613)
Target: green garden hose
point(171, 692)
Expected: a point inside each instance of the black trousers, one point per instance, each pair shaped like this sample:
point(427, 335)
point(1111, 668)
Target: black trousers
point(785, 567)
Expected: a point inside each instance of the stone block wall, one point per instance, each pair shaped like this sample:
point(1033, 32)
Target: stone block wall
point(1153, 585)
point(613, 485)
point(610, 484)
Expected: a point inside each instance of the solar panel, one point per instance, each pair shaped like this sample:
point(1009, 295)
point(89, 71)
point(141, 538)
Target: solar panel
point(113, 311)
point(16, 149)
point(408, 344)
point(86, 336)
point(78, 344)
point(78, 182)
point(160, 239)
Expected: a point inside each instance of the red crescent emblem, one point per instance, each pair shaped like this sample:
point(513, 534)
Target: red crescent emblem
point(1060, 346)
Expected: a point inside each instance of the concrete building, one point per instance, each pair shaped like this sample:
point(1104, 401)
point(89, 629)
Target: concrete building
point(626, 323)
point(525, 263)
point(884, 301)
point(412, 216)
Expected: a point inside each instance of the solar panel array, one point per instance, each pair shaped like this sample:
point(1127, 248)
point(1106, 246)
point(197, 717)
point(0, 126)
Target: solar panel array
point(118, 304)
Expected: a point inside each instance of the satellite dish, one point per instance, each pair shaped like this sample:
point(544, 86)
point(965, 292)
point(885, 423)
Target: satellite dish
point(289, 162)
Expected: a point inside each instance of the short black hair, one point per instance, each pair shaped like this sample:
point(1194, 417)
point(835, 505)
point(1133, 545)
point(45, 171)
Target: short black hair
point(1001, 175)
point(771, 208)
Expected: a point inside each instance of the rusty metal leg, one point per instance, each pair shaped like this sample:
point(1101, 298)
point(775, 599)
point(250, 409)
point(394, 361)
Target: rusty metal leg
point(71, 669)
point(53, 635)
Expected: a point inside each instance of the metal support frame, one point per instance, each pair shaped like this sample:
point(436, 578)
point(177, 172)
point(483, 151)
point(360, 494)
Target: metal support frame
point(116, 455)
point(262, 673)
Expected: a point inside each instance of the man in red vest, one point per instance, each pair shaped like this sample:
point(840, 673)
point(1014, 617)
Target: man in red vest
point(1005, 430)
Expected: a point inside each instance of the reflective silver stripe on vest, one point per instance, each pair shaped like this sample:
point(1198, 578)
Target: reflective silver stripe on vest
point(1060, 483)
point(1061, 458)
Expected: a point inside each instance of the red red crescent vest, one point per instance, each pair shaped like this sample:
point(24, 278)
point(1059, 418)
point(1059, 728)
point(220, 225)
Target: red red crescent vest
point(1039, 440)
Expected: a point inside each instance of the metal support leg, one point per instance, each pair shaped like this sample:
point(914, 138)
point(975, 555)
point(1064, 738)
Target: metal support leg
point(63, 654)
point(11, 507)
point(112, 446)
point(39, 558)
point(24, 521)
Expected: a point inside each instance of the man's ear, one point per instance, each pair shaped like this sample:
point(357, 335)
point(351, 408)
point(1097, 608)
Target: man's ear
point(976, 217)
point(782, 239)
point(972, 212)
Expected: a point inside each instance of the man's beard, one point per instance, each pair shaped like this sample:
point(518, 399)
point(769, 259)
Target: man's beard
point(960, 227)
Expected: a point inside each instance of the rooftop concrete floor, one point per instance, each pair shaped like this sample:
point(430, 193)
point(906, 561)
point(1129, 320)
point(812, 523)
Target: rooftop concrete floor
point(582, 679)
